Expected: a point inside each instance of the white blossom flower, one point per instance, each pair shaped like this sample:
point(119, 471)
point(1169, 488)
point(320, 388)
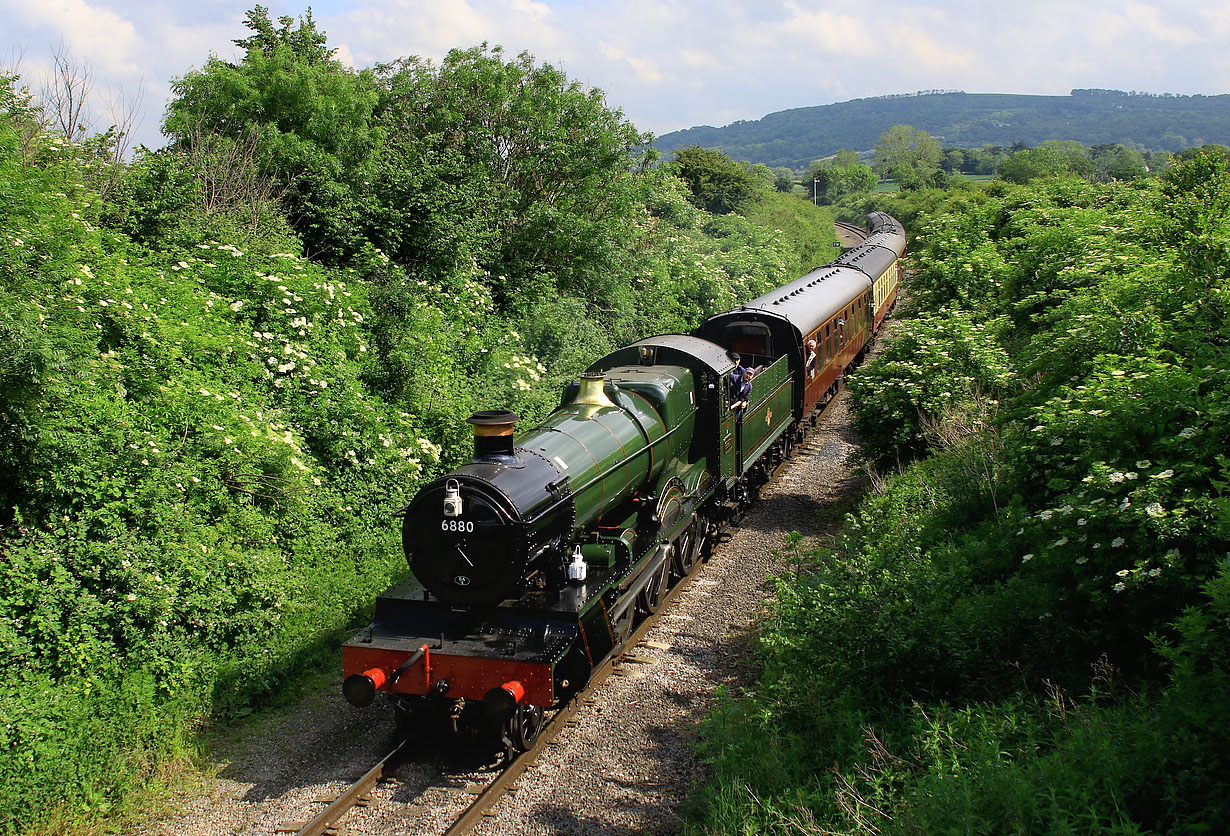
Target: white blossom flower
point(1119, 587)
point(1123, 573)
point(1165, 474)
point(1187, 432)
point(1062, 541)
point(1028, 557)
point(1154, 509)
point(1154, 572)
point(1116, 477)
point(1046, 514)
point(1116, 543)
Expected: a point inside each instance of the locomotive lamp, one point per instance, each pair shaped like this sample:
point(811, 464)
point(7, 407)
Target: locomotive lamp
point(452, 498)
point(577, 570)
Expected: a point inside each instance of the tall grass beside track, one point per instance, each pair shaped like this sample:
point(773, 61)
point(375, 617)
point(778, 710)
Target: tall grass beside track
point(1025, 627)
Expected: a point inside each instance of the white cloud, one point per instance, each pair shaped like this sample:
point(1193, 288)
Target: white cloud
point(106, 40)
point(644, 70)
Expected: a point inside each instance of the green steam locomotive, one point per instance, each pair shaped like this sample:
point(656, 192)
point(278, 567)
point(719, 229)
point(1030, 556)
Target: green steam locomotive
point(531, 563)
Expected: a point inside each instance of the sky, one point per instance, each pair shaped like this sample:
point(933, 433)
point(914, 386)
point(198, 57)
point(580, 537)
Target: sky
point(668, 64)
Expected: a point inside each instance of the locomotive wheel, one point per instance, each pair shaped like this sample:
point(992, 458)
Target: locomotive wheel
point(525, 726)
point(654, 594)
point(687, 553)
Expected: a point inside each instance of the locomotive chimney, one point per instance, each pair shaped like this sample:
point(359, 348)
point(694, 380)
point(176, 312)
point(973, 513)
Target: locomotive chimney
point(493, 432)
point(592, 391)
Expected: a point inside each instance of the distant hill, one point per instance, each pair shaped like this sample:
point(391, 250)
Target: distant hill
point(969, 120)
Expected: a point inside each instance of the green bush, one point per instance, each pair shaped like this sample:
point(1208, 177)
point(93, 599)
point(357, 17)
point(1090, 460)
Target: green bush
point(1022, 629)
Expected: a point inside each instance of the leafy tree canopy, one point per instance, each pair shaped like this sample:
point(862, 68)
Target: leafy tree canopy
point(911, 156)
point(840, 176)
point(1046, 161)
point(305, 41)
point(718, 183)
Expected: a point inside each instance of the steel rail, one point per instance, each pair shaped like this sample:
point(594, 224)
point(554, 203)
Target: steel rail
point(327, 818)
point(853, 231)
point(495, 790)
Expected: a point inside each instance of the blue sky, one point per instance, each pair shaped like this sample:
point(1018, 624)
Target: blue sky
point(673, 64)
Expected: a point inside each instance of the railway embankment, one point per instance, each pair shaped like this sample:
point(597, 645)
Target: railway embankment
point(1024, 627)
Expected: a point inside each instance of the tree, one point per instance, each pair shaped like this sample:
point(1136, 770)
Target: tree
point(845, 157)
point(953, 160)
point(1044, 161)
point(509, 163)
point(1117, 162)
point(841, 175)
point(783, 179)
point(908, 155)
point(313, 122)
point(718, 183)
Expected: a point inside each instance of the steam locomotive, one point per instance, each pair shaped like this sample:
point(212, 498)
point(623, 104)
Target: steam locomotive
point(532, 562)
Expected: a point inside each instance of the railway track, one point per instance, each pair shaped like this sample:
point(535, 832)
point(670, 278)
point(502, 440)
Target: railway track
point(330, 821)
point(849, 235)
